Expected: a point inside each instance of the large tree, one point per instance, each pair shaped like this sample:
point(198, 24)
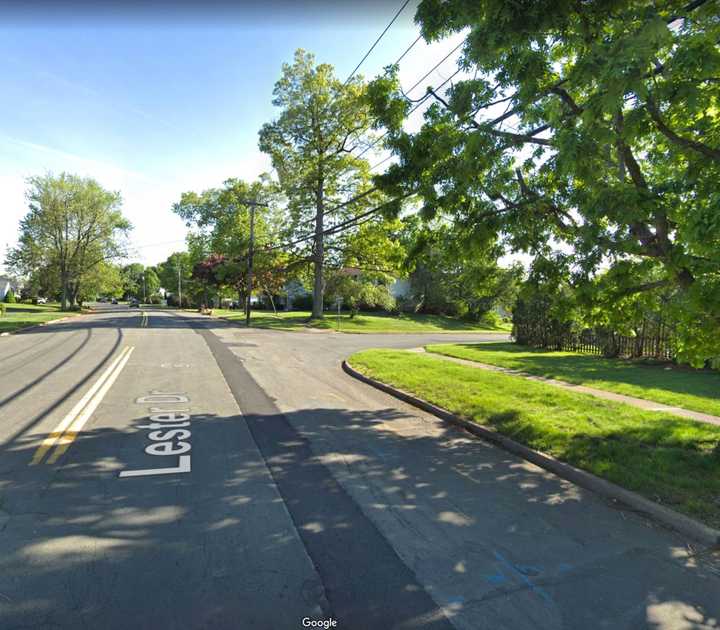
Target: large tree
point(321, 121)
point(73, 226)
point(596, 125)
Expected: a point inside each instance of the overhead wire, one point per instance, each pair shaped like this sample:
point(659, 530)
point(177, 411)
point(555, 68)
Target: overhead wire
point(367, 54)
point(339, 227)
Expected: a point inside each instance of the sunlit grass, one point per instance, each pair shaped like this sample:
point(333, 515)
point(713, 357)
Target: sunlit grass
point(361, 323)
point(680, 387)
point(22, 315)
point(668, 459)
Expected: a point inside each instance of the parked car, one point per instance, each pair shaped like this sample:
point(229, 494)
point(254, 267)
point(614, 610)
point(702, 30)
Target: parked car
point(134, 303)
point(114, 301)
point(42, 300)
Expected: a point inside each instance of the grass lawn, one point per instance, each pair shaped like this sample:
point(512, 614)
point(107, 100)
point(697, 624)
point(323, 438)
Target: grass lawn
point(665, 458)
point(680, 387)
point(22, 315)
point(361, 323)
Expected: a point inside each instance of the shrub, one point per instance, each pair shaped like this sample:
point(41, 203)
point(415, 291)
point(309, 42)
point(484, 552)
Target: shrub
point(10, 297)
point(302, 302)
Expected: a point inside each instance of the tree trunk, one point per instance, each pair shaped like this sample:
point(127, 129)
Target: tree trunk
point(317, 309)
point(64, 282)
point(73, 293)
point(272, 302)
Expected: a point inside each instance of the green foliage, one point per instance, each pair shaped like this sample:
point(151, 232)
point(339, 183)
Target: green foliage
point(546, 307)
point(175, 273)
point(612, 149)
point(10, 296)
point(454, 273)
point(321, 121)
point(364, 292)
point(105, 279)
point(221, 220)
point(303, 302)
point(73, 225)
point(132, 280)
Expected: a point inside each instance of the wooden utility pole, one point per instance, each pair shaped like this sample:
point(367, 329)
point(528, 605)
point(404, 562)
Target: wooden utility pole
point(251, 251)
point(180, 284)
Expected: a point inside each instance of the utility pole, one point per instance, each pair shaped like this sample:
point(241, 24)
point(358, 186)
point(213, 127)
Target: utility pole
point(144, 291)
point(180, 284)
point(250, 266)
point(251, 251)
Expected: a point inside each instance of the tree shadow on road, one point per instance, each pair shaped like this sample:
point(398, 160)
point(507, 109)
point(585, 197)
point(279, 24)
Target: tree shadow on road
point(224, 546)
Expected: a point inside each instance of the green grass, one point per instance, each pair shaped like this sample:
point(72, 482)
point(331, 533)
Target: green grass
point(361, 323)
point(671, 460)
point(22, 315)
point(680, 387)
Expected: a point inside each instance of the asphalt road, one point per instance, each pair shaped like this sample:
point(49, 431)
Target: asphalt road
point(172, 471)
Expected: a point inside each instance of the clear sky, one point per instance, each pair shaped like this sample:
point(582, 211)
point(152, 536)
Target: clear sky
point(154, 103)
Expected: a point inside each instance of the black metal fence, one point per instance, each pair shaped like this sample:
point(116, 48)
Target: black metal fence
point(652, 340)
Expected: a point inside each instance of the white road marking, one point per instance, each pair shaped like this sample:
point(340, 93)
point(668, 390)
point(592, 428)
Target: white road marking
point(182, 467)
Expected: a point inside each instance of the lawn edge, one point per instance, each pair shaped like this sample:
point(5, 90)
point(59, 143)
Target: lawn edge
point(7, 333)
point(669, 518)
point(371, 332)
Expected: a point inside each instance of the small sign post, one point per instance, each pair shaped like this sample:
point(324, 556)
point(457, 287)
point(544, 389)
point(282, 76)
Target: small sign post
point(338, 303)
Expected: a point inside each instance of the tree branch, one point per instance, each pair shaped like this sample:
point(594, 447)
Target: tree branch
point(686, 143)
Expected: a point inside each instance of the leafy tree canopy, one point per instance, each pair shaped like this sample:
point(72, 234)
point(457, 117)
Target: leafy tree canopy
point(73, 226)
point(596, 125)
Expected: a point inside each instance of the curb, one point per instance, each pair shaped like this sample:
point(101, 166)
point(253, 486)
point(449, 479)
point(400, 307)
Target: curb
point(669, 518)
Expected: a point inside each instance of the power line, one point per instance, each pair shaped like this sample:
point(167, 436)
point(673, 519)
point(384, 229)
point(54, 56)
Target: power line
point(407, 50)
point(352, 222)
point(413, 109)
point(367, 54)
point(346, 203)
point(435, 67)
point(374, 166)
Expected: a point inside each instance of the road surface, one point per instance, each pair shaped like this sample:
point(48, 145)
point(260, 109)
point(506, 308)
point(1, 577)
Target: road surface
point(170, 471)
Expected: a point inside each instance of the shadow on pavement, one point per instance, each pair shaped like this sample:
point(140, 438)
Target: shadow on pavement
point(215, 548)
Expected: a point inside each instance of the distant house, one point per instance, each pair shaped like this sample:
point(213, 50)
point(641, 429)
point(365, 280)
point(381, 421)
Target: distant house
point(6, 283)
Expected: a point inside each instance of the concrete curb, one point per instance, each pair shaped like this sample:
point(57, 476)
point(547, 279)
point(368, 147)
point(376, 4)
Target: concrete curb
point(679, 522)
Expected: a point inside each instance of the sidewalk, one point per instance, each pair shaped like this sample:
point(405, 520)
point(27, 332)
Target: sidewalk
point(642, 403)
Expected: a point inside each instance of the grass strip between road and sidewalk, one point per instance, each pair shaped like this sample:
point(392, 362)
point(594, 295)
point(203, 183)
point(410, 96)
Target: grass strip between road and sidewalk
point(697, 390)
point(670, 460)
point(18, 316)
point(361, 323)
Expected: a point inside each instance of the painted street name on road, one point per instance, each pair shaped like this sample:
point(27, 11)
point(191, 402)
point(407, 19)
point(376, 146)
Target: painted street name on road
point(168, 433)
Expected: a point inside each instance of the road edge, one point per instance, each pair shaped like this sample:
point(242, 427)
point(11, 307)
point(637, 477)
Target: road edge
point(669, 518)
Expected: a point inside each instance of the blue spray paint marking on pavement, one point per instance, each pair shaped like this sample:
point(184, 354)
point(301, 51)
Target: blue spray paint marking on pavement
point(524, 578)
point(498, 578)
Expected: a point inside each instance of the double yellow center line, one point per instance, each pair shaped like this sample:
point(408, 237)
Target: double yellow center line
point(65, 433)
point(144, 320)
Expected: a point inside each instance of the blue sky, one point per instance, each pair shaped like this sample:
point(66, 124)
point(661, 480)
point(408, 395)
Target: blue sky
point(155, 104)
